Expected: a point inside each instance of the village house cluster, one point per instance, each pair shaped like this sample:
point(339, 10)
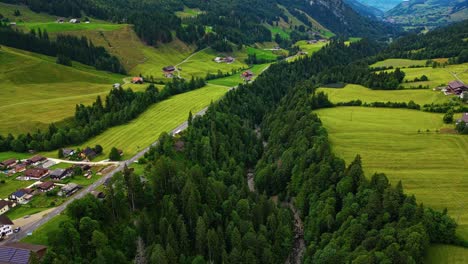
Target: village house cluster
point(62, 20)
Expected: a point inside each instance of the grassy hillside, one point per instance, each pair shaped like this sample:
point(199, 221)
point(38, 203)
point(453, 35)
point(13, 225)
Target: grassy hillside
point(428, 163)
point(7, 10)
point(355, 92)
point(437, 76)
point(235, 79)
point(310, 48)
point(36, 91)
point(161, 117)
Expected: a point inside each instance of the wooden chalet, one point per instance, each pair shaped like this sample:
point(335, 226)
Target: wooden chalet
point(247, 75)
point(455, 87)
point(36, 173)
point(138, 80)
point(46, 186)
point(9, 163)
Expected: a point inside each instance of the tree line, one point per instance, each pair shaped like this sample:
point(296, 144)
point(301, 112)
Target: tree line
point(119, 106)
point(65, 47)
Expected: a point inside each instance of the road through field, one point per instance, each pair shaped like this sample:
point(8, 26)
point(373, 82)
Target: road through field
point(28, 229)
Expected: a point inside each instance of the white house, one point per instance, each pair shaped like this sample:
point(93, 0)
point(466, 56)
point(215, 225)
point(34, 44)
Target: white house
point(6, 226)
point(4, 206)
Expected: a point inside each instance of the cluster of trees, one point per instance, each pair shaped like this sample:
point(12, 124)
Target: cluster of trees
point(119, 107)
point(446, 42)
point(65, 48)
point(410, 105)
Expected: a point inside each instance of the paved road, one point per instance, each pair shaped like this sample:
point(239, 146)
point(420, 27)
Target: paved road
point(56, 211)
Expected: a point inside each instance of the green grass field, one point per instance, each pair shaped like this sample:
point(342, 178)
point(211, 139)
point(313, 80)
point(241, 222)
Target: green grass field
point(402, 63)
point(235, 79)
point(161, 117)
point(36, 91)
point(264, 54)
point(11, 185)
point(40, 235)
point(446, 254)
point(278, 30)
point(310, 48)
point(355, 92)
point(430, 165)
point(53, 27)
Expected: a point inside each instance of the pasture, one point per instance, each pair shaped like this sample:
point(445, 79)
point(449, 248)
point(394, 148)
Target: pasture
point(437, 76)
point(310, 48)
point(430, 164)
point(401, 63)
point(161, 117)
point(446, 254)
point(53, 27)
point(36, 91)
point(188, 12)
point(366, 95)
point(264, 54)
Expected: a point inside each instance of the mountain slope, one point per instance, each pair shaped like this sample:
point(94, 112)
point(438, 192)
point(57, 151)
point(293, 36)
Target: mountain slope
point(383, 5)
point(429, 12)
point(365, 10)
point(340, 18)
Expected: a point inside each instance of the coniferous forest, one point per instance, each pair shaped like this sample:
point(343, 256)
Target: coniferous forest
point(197, 207)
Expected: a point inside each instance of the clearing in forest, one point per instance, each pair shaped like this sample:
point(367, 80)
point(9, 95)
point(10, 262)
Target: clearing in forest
point(430, 164)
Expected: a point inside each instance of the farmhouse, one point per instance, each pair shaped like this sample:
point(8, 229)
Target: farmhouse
point(247, 75)
point(137, 80)
point(169, 71)
point(68, 152)
point(19, 253)
point(36, 173)
point(455, 87)
point(312, 41)
point(46, 186)
point(60, 20)
point(75, 21)
point(116, 85)
point(5, 227)
point(10, 163)
point(59, 174)
point(69, 189)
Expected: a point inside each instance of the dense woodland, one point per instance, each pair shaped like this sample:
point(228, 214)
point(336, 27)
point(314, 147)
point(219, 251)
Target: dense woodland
point(196, 206)
point(65, 47)
point(119, 106)
point(446, 42)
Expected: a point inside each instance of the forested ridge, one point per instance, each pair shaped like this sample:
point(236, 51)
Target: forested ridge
point(64, 46)
point(196, 206)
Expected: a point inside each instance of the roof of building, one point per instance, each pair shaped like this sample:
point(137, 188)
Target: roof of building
point(456, 84)
point(89, 152)
point(19, 193)
point(57, 172)
point(36, 172)
point(18, 253)
point(67, 152)
point(45, 185)
point(4, 203)
point(27, 190)
point(169, 68)
point(4, 220)
point(70, 187)
point(8, 162)
point(37, 159)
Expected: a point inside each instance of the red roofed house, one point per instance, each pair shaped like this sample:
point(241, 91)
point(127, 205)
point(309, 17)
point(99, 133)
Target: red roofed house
point(46, 186)
point(36, 160)
point(137, 80)
point(10, 163)
point(36, 173)
point(455, 87)
point(247, 75)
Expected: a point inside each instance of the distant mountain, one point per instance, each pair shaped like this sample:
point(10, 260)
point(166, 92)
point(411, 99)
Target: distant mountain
point(430, 13)
point(383, 5)
point(340, 18)
point(365, 10)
